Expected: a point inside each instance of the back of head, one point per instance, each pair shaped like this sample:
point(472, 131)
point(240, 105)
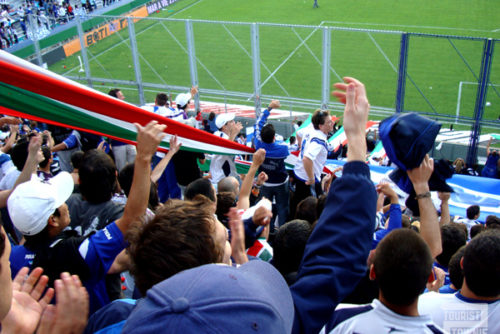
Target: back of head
point(452, 238)
point(161, 99)
point(455, 270)
point(476, 229)
point(216, 299)
point(225, 201)
point(19, 153)
point(267, 133)
point(97, 176)
point(178, 238)
point(306, 209)
point(289, 244)
point(472, 211)
point(481, 264)
point(492, 222)
point(46, 157)
point(114, 92)
point(200, 187)
point(228, 184)
point(211, 116)
point(125, 178)
point(402, 265)
point(76, 159)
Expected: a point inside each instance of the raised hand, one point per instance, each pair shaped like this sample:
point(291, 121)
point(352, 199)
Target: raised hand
point(357, 107)
point(28, 301)
point(148, 138)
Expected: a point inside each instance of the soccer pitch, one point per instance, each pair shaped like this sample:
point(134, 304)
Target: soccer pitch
point(441, 71)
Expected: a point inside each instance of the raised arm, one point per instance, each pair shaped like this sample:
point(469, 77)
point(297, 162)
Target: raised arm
point(160, 167)
point(148, 139)
point(429, 225)
point(34, 158)
point(12, 138)
point(335, 255)
point(246, 185)
point(445, 208)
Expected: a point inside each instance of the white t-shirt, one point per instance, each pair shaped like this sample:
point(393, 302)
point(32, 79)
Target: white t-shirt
point(377, 318)
point(222, 165)
point(314, 147)
point(458, 314)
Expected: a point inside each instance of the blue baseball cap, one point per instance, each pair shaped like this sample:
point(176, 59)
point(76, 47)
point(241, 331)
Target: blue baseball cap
point(216, 298)
point(407, 138)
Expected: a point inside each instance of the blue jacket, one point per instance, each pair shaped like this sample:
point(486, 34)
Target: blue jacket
point(274, 164)
point(335, 256)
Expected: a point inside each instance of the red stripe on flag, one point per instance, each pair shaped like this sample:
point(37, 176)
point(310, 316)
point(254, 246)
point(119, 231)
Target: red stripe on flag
point(103, 104)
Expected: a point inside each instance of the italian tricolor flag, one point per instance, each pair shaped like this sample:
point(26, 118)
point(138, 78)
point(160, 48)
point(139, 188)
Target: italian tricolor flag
point(31, 92)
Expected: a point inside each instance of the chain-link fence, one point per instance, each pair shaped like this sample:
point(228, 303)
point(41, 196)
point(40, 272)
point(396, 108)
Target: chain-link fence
point(452, 79)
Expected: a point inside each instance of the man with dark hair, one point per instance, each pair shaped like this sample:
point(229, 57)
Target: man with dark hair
point(276, 187)
point(476, 229)
point(288, 248)
point(92, 209)
point(43, 171)
point(473, 212)
point(402, 267)
point(455, 273)
point(452, 238)
point(312, 158)
point(476, 307)
point(492, 222)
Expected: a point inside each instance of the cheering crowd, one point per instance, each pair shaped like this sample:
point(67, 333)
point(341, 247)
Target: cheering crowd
point(278, 250)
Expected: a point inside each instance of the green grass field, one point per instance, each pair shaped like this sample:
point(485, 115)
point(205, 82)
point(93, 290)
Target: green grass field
point(291, 57)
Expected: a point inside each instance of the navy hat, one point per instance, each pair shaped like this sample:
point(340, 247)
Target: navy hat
point(216, 298)
point(407, 138)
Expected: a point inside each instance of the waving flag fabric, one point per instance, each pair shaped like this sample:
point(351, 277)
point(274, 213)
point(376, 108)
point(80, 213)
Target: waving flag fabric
point(31, 92)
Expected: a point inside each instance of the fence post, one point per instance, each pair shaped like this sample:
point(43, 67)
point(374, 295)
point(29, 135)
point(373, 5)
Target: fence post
point(403, 63)
point(325, 96)
point(482, 89)
point(36, 42)
point(256, 67)
point(192, 61)
point(83, 52)
point(135, 58)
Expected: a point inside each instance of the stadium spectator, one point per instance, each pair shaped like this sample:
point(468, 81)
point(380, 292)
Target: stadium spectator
point(492, 161)
point(123, 153)
point(492, 222)
point(473, 213)
point(39, 212)
point(476, 229)
point(276, 187)
point(181, 236)
point(476, 307)
point(288, 248)
point(92, 209)
point(312, 158)
point(223, 165)
point(455, 273)
point(306, 210)
point(452, 238)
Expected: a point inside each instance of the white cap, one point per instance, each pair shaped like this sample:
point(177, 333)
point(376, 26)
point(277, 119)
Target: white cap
point(222, 119)
point(32, 203)
point(183, 99)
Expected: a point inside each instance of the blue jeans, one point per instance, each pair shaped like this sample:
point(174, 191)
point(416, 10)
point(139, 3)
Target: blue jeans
point(282, 196)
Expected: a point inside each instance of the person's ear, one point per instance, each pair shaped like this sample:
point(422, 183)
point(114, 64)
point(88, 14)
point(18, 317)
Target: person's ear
point(53, 221)
point(372, 274)
point(462, 263)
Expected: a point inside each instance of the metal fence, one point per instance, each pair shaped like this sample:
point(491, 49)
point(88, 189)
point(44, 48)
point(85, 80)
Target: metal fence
point(452, 79)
